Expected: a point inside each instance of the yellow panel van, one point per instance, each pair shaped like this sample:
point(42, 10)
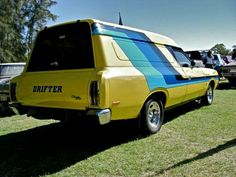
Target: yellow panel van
point(90, 68)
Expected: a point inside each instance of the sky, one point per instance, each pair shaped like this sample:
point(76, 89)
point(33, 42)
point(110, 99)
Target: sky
point(193, 24)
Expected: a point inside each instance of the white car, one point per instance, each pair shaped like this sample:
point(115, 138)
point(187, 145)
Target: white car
point(7, 72)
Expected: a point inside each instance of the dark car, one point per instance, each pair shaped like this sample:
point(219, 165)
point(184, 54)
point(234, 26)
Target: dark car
point(7, 72)
point(229, 72)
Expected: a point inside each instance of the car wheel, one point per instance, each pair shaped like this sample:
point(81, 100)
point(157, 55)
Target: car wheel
point(152, 116)
point(4, 108)
point(208, 97)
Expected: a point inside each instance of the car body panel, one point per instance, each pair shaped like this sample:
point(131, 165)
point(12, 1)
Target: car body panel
point(7, 72)
point(229, 72)
point(130, 66)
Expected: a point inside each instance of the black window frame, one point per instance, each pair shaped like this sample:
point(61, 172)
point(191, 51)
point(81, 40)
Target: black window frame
point(68, 46)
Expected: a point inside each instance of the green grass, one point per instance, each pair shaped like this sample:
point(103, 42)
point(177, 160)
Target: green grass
point(194, 141)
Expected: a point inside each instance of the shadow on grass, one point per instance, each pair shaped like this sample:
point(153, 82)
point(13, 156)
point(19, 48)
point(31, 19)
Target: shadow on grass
point(181, 110)
point(6, 114)
point(203, 155)
point(225, 86)
point(52, 148)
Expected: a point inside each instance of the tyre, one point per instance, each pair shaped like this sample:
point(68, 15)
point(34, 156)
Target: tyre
point(5, 110)
point(3, 107)
point(152, 116)
point(208, 97)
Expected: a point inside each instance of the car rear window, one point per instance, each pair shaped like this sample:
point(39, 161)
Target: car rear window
point(62, 48)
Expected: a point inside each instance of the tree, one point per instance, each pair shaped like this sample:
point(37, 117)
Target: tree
point(35, 16)
point(11, 46)
point(220, 49)
point(20, 21)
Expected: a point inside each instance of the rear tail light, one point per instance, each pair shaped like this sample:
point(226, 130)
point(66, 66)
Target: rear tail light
point(94, 93)
point(13, 91)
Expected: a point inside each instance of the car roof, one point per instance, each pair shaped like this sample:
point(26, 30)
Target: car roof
point(154, 37)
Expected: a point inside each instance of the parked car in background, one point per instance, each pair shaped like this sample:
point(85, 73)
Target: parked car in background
point(227, 59)
point(7, 72)
point(229, 72)
point(218, 64)
point(196, 57)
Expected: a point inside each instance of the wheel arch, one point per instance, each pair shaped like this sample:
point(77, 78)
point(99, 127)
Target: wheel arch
point(158, 95)
point(213, 84)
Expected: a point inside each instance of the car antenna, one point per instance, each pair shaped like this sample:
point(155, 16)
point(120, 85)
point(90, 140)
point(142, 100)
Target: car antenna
point(120, 20)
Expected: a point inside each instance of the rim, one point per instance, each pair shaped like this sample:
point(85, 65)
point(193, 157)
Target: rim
point(154, 114)
point(209, 95)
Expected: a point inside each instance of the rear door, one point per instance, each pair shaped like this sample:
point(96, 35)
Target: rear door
point(60, 68)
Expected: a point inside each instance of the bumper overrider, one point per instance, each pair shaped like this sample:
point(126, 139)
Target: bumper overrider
point(104, 115)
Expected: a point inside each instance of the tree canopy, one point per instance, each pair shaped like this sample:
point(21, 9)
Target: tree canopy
point(220, 49)
point(20, 21)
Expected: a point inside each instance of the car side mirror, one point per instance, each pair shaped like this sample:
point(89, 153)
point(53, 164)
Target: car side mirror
point(185, 65)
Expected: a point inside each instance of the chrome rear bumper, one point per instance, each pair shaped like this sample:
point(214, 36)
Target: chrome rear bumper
point(104, 115)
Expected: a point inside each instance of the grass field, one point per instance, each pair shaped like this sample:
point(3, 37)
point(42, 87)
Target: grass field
point(194, 141)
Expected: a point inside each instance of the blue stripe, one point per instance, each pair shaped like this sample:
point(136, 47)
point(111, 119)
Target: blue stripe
point(146, 57)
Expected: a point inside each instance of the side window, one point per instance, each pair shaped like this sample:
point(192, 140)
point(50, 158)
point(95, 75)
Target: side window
point(181, 58)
